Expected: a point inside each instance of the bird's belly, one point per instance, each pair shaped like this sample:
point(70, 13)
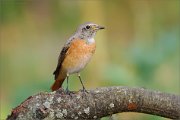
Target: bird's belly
point(78, 63)
point(77, 57)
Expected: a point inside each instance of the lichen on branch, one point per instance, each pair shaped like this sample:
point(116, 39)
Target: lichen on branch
point(96, 104)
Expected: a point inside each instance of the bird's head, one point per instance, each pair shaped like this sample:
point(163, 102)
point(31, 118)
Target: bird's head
point(88, 30)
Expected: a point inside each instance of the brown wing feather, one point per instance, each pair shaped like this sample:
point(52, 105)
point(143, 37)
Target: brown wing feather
point(60, 60)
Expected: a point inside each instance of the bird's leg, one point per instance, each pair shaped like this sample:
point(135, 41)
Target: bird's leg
point(67, 77)
point(84, 90)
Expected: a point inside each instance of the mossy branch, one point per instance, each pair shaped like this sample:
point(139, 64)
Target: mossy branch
point(96, 104)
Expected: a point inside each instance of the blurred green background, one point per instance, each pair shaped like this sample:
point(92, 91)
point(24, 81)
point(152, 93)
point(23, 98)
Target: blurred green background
point(139, 47)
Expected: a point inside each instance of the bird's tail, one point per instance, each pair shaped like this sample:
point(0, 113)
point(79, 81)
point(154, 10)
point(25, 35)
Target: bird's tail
point(58, 83)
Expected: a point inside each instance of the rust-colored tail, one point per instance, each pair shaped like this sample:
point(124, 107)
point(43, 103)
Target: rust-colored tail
point(57, 84)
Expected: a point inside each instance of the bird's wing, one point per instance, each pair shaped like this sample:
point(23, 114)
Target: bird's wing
point(61, 59)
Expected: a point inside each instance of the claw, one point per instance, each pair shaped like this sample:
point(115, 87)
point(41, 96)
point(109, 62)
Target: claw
point(67, 91)
point(84, 90)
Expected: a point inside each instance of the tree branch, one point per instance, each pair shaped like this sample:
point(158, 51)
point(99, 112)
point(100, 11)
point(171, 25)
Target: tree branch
point(97, 103)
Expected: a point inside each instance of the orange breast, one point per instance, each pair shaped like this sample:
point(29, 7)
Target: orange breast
point(78, 55)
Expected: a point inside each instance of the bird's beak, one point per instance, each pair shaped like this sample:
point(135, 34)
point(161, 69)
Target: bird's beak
point(100, 27)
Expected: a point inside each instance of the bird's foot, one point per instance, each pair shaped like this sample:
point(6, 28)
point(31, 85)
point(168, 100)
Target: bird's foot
point(67, 91)
point(84, 90)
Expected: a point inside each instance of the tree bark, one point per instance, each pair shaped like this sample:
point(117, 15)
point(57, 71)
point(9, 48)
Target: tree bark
point(96, 104)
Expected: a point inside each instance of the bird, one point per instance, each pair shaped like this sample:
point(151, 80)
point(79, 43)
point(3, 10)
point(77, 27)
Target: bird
point(76, 54)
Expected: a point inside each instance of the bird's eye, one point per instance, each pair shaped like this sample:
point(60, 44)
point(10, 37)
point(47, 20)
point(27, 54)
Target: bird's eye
point(87, 27)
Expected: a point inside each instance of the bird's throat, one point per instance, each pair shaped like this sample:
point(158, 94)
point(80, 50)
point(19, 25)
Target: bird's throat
point(90, 40)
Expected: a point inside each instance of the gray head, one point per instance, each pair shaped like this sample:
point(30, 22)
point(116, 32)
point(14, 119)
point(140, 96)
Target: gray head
point(87, 30)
